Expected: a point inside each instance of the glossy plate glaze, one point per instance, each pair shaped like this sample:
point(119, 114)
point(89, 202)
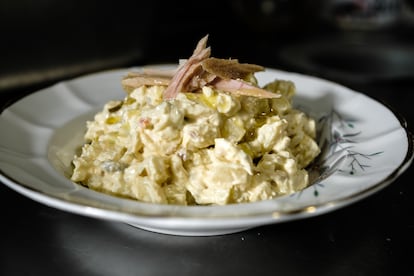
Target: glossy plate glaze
point(365, 146)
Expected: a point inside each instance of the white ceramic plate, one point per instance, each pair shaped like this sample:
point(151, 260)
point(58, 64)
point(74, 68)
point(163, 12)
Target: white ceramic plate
point(365, 147)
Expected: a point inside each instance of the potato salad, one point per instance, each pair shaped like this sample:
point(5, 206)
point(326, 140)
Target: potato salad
point(205, 148)
point(209, 145)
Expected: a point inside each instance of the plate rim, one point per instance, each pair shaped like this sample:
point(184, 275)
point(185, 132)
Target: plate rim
point(226, 221)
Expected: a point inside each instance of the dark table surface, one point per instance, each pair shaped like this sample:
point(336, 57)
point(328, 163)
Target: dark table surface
point(372, 237)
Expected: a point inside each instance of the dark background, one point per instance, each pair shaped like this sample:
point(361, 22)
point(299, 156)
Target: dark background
point(43, 42)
